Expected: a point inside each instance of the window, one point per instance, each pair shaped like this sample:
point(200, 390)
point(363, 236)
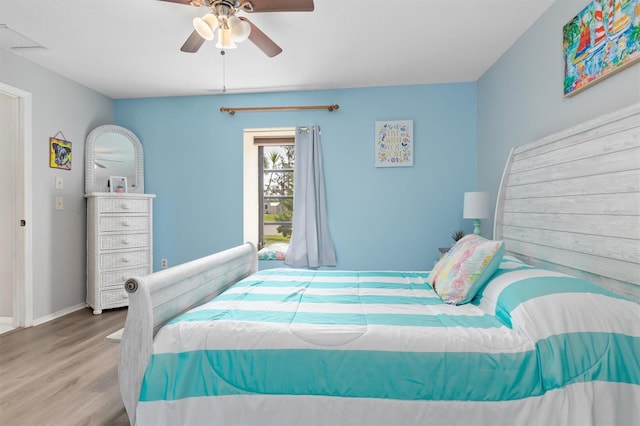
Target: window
point(268, 185)
point(275, 191)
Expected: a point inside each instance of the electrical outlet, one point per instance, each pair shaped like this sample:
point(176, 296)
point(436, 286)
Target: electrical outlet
point(59, 203)
point(163, 263)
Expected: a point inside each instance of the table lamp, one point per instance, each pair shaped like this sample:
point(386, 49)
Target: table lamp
point(476, 207)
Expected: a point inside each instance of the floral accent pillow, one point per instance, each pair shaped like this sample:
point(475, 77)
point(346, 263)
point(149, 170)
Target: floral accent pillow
point(435, 272)
point(466, 268)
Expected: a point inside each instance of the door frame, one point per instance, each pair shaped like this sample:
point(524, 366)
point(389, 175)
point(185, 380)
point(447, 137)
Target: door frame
point(23, 286)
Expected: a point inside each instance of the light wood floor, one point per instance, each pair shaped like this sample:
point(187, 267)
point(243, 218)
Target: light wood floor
point(62, 372)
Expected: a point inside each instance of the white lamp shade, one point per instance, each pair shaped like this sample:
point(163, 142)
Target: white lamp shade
point(206, 26)
point(224, 39)
point(476, 205)
point(240, 29)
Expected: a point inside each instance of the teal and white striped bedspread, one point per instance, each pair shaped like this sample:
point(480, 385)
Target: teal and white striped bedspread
point(288, 346)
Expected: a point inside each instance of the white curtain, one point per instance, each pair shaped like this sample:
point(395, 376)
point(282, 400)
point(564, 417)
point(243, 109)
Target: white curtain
point(311, 244)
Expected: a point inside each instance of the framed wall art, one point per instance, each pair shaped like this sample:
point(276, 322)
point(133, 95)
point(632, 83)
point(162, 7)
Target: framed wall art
point(600, 40)
point(394, 143)
point(59, 154)
point(118, 184)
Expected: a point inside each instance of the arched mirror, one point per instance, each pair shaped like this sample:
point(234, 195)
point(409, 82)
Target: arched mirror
point(113, 151)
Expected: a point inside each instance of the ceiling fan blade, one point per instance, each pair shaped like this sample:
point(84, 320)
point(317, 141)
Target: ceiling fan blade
point(282, 5)
point(186, 2)
point(193, 43)
point(262, 41)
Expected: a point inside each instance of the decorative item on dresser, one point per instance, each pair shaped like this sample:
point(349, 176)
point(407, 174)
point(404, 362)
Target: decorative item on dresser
point(457, 235)
point(119, 223)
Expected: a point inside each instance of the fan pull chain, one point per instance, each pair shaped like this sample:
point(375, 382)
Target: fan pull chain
point(224, 77)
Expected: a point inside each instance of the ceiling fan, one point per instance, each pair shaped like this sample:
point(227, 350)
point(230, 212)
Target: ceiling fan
point(232, 28)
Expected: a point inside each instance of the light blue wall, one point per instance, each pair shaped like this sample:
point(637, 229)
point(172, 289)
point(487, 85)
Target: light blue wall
point(520, 98)
point(380, 218)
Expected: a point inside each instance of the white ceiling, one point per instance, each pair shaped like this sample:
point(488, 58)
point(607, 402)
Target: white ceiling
point(131, 48)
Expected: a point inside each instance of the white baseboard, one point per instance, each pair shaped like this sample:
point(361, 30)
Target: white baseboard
point(6, 320)
point(58, 314)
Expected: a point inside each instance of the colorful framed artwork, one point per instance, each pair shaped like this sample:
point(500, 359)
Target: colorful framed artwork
point(59, 154)
point(600, 40)
point(117, 184)
point(394, 143)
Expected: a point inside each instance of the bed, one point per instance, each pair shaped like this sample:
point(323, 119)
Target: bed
point(549, 335)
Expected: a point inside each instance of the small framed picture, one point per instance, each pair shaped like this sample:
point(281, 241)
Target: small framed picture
point(59, 154)
point(117, 184)
point(394, 143)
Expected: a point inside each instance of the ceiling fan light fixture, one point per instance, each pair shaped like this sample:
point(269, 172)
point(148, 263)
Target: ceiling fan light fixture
point(240, 30)
point(206, 26)
point(234, 28)
point(224, 39)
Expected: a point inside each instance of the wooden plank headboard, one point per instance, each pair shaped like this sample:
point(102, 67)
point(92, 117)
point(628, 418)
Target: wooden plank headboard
point(571, 201)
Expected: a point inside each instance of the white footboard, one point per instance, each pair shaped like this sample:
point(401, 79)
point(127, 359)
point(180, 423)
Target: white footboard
point(155, 299)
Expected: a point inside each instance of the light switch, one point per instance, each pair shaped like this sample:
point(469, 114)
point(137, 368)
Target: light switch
point(59, 182)
point(59, 203)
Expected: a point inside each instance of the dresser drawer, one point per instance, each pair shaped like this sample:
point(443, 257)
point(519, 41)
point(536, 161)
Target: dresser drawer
point(124, 223)
point(111, 298)
point(125, 259)
point(124, 241)
point(123, 205)
point(118, 278)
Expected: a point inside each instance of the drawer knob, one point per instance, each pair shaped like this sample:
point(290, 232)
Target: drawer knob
point(123, 295)
point(125, 260)
point(125, 206)
point(125, 241)
point(124, 278)
point(125, 223)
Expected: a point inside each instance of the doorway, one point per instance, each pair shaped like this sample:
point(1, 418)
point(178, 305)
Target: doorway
point(16, 308)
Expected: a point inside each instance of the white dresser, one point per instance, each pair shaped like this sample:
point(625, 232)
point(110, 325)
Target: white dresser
point(119, 245)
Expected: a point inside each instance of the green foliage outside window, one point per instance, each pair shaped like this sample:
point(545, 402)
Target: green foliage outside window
point(278, 183)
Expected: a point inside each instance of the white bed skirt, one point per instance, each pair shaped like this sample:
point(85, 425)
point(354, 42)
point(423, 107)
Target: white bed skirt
point(617, 404)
